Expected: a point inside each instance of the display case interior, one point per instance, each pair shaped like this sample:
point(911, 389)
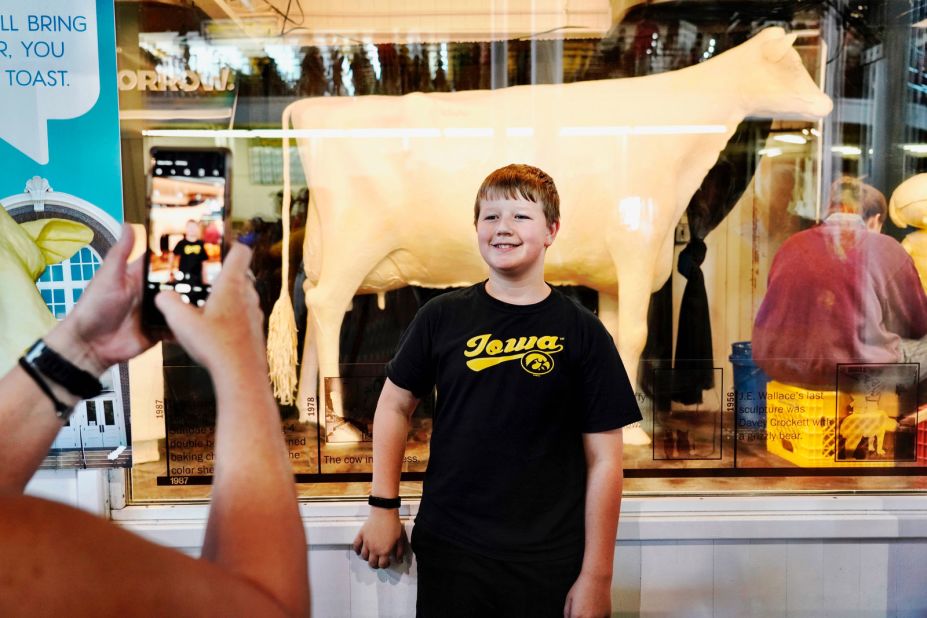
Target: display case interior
point(694, 144)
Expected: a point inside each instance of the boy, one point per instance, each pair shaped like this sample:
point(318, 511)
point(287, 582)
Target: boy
point(190, 256)
point(520, 503)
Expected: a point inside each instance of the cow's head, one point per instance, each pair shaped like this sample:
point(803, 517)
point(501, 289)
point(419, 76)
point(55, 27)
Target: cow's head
point(779, 86)
point(26, 250)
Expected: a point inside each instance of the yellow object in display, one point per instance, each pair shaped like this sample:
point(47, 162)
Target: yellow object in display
point(807, 427)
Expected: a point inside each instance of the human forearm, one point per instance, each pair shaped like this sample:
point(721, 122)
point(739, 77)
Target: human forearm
point(28, 415)
point(30, 427)
point(253, 485)
point(591, 593)
point(252, 465)
point(254, 529)
point(102, 330)
point(390, 433)
point(381, 537)
point(603, 502)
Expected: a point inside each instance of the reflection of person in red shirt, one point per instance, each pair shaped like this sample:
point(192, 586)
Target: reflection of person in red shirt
point(189, 263)
point(213, 233)
point(838, 293)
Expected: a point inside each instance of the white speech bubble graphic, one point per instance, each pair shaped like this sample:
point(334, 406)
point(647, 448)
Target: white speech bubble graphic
point(49, 68)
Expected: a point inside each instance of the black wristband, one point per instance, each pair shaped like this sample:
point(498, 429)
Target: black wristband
point(61, 371)
point(383, 503)
point(62, 410)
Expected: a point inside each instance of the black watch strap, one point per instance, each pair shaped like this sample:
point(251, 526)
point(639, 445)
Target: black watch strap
point(62, 372)
point(383, 503)
point(62, 410)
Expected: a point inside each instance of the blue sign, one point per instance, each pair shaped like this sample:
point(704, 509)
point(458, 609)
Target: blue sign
point(59, 111)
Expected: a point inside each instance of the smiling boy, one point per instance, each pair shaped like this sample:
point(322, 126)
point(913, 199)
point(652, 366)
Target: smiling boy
point(520, 503)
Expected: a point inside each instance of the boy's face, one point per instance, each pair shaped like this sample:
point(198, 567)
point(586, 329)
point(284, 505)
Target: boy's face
point(192, 232)
point(513, 235)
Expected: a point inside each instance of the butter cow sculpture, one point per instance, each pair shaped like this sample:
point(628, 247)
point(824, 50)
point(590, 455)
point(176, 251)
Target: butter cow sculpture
point(908, 206)
point(393, 180)
point(25, 251)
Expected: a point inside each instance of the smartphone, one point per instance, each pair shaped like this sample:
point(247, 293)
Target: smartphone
point(189, 205)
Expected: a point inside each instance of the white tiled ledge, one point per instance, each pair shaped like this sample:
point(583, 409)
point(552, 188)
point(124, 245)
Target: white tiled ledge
point(642, 519)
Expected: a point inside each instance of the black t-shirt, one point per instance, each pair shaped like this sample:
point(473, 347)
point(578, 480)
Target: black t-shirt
point(192, 255)
point(517, 386)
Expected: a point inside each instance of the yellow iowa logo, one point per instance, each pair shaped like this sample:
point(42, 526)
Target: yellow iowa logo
point(533, 352)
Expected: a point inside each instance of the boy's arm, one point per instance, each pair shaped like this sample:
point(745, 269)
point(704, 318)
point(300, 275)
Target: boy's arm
point(591, 594)
point(382, 534)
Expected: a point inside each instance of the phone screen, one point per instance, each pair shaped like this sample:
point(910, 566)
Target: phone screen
point(187, 214)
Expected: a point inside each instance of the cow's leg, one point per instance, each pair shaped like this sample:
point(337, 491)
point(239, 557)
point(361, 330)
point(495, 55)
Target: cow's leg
point(609, 316)
point(635, 278)
point(344, 268)
point(326, 306)
point(308, 396)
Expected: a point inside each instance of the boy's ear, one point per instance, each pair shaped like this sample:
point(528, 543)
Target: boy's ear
point(552, 230)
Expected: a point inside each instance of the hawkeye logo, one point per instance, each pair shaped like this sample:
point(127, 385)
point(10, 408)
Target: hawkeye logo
point(535, 353)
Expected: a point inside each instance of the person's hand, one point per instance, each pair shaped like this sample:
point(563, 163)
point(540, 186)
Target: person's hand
point(381, 538)
point(225, 335)
point(104, 328)
point(590, 597)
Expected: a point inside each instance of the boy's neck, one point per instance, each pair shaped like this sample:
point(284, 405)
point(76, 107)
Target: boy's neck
point(517, 292)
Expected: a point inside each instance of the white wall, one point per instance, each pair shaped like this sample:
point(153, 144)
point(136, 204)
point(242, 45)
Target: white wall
point(686, 556)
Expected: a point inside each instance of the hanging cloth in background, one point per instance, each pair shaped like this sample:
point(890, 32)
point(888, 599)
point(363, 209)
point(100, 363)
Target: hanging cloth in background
point(694, 364)
point(720, 191)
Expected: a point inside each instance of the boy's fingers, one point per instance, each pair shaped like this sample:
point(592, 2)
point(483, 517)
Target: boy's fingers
point(357, 544)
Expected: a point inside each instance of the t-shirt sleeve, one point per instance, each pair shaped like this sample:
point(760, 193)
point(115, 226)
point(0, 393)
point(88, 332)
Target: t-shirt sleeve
point(413, 366)
point(608, 398)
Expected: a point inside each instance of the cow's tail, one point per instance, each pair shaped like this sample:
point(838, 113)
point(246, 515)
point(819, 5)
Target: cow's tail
point(281, 332)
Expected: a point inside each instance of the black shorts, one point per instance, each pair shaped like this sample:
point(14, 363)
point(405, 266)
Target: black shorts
point(456, 583)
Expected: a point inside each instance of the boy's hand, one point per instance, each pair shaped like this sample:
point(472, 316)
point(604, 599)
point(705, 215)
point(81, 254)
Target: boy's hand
point(381, 537)
point(590, 597)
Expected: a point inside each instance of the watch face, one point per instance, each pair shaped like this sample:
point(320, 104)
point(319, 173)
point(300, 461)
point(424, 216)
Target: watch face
point(35, 351)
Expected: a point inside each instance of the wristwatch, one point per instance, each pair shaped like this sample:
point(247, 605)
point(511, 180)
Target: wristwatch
point(61, 371)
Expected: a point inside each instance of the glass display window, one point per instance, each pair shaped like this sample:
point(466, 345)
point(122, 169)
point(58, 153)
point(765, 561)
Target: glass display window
point(741, 199)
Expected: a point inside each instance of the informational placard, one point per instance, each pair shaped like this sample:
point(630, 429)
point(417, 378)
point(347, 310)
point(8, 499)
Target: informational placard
point(59, 117)
point(60, 155)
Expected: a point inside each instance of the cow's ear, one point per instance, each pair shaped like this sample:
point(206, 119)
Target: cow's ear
point(776, 49)
point(58, 239)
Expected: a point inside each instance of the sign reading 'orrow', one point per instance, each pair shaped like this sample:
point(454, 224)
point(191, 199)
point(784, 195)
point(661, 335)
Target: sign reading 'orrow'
point(49, 69)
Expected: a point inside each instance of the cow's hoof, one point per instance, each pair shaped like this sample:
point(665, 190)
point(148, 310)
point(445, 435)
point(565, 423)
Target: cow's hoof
point(635, 435)
point(339, 430)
